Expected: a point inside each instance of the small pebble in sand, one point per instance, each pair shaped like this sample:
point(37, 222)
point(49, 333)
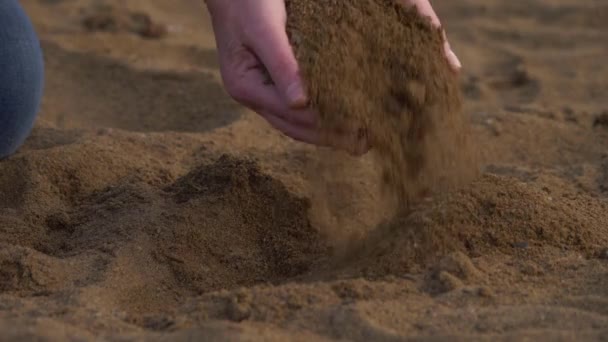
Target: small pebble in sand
point(601, 119)
point(521, 244)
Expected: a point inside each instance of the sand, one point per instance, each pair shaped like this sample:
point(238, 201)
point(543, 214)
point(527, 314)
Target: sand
point(403, 99)
point(147, 205)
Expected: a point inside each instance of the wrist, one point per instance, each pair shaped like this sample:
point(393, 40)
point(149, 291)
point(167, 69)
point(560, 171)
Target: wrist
point(220, 12)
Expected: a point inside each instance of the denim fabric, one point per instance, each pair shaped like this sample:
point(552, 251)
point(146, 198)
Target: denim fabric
point(21, 76)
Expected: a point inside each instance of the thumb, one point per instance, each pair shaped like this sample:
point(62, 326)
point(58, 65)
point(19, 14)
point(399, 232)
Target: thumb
point(451, 56)
point(274, 50)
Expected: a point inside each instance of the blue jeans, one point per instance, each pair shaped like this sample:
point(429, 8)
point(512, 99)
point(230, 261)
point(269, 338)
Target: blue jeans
point(21, 76)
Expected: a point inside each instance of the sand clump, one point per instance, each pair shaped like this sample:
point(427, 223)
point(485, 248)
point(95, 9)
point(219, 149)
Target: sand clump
point(376, 69)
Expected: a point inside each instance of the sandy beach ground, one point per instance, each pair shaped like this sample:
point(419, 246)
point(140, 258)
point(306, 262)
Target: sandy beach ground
point(147, 205)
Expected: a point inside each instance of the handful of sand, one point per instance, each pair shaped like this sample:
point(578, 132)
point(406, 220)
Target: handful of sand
point(377, 67)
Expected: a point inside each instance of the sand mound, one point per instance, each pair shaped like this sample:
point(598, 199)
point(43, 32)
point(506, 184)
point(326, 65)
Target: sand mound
point(377, 69)
point(497, 214)
point(247, 228)
point(222, 225)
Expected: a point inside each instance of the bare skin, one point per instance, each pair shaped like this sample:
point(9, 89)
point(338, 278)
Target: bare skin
point(250, 37)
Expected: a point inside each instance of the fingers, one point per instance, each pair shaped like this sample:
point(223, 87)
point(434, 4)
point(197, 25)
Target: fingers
point(301, 133)
point(248, 88)
point(451, 56)
point(247, 85)
point(266, 97)
point(355, 145)
point(253, 40)
point(272, 46)
point(426, 9)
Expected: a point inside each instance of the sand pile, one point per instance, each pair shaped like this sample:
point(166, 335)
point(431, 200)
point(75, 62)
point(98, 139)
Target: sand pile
point(496, 215)
point(222, 225)
point(376, 70)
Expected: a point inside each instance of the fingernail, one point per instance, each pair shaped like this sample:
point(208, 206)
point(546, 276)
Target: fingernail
point(454, 61)
point(296, 95)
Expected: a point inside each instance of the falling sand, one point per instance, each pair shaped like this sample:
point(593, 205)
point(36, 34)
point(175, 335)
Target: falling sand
point(377, 70)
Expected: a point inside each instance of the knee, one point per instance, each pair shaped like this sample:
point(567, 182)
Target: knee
point(21, 77)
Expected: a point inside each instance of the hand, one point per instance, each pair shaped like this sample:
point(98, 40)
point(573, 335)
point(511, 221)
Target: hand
point(253, 46)
point(424, 8)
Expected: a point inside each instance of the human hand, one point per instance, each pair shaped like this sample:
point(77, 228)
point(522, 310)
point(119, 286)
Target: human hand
point(426, 9)
point(253, 46)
